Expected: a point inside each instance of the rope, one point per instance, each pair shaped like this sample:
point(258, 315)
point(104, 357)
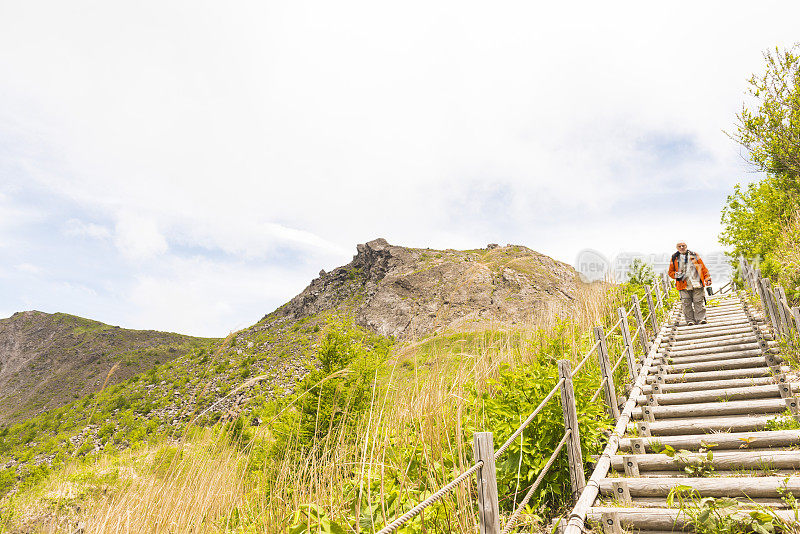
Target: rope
point(613, 328)
point(513, 519)
point(599, 390)
point(585, 358)
point(400, 521)
point(527, 421)
point(619, 361)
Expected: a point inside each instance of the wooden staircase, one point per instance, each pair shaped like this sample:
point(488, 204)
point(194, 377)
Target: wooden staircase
point(720, 387)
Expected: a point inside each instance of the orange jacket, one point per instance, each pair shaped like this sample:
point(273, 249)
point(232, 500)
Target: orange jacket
point(705, 278)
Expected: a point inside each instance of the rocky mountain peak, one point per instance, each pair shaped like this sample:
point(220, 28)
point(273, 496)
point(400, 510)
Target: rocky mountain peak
point(411, 292)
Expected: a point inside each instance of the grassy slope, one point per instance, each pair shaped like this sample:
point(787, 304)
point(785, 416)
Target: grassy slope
point(424, 387)
point(68, 357)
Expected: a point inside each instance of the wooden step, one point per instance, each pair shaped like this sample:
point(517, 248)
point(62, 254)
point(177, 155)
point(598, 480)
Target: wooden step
point(713, 395)
point(705, 425)
point(739, 341)
point(665, 519)
point(722, 364)
point(713, 376)
point(679, 387)
point(754, 487)
point(742, 459)
point(673, 360)
point(745, 329)
point(709, 409)
point(741, 337)
point(723, 441)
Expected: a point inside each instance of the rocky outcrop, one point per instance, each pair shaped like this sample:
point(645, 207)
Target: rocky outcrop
point(408, 292)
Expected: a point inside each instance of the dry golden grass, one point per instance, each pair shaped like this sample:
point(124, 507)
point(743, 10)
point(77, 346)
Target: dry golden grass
point(420, 402)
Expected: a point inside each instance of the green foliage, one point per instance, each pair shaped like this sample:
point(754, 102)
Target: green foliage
point(515, 395)
point(724, 516)
point(8, 477)
point(341, 388)
point(310, 519)
point(641, 273)
point(755, 216)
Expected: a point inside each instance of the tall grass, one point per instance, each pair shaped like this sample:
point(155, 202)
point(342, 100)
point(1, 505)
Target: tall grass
point(412, 439)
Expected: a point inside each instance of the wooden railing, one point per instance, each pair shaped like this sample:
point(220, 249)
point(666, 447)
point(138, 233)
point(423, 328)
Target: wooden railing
point(785, 319)
point(483, 442)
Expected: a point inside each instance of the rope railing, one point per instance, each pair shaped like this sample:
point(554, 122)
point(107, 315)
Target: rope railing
point(586, 358)
point(530, 418)
point(565, 381)
point(515, 516)
point(600, 389)
point(611, 330)
point(411, 514)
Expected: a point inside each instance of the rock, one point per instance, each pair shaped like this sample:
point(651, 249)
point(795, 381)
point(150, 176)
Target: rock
point(491, 246)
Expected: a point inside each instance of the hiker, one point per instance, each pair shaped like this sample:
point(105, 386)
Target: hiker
point(691, 276)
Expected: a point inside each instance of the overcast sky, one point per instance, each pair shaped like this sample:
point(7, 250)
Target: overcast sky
point(190, 166)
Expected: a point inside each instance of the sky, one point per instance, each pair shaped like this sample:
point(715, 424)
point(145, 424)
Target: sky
point(190, 166)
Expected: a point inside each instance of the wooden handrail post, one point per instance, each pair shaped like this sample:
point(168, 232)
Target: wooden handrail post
point(633, 366)
point(488, 505)
point(659, 300)
point(653, 318)
point(577, 477)
point(607, 373)
point(766, 287)
point(786, 317)
point(640, 325)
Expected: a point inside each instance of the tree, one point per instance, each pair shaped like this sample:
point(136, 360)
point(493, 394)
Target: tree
point(755, 216)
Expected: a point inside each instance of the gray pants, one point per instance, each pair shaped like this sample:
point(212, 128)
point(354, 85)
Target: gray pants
point(694, 306)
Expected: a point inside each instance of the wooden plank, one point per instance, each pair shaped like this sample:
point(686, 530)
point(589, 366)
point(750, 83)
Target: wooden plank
point(742, 459)
point(748, 392)
point(738, 339)
point(488, 506)
point(606, 372)
point(718, 365)
point(680, 387)
point(715, 357)
point(708, 409)
point(713, 376)
point(707, 425)
point(573, 445)
point(666, 519)
point(755, 487)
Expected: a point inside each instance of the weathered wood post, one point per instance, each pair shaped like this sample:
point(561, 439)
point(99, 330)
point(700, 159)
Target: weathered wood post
point(640, 325)
point(796, 317)
point(786, 317)
point(574, 455)
point(653, 318)
point(633, 366)
point(762, 295)
point(488, 505)
point(766, 287)
point(607, 373)
point(659, 300)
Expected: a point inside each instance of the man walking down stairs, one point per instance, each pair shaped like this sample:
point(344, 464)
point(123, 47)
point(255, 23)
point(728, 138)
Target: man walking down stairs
point(691, 278)
point(715, 415)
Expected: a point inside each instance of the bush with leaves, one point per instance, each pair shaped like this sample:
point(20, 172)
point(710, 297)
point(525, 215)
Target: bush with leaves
point(511, 398)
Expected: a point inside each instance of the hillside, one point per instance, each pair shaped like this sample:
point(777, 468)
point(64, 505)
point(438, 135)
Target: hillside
point(164, 382)
point(48, 360)
point(410, 292)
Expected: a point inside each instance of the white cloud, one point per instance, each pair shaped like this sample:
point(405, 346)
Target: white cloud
point(137, 237)
point(78, 228)
point(29, 268)
point(264, 130)
point(203, 297)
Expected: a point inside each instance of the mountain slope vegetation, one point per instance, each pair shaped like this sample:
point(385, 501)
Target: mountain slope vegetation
point(397, 347)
